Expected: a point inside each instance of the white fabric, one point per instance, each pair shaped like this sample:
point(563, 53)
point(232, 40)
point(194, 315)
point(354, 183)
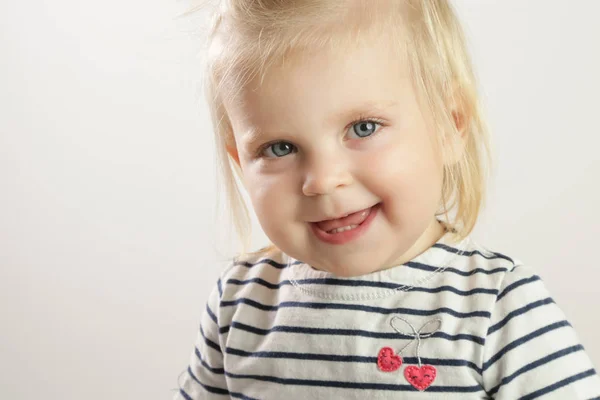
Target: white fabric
point(273, 331)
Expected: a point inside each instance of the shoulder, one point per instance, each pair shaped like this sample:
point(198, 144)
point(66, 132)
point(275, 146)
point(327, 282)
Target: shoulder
point(262, 268)
point(506, 277)
point(480, 265)
point(518, 286)
point(528, 337)
point(498, 267)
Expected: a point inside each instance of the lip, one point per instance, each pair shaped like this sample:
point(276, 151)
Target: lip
point(341, 216)
point(346, 236)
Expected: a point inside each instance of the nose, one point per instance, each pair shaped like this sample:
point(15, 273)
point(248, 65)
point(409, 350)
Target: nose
point(324, 174)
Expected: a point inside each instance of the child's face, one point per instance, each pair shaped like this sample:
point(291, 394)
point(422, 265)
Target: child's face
point(324, 167)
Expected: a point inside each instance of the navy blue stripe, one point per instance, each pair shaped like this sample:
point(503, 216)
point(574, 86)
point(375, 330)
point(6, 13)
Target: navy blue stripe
point(208, 388)
point(299, 356)
point(535, 364)
point(353, 385)
point(260, 281)
point(219, 371)
point(184, 394)
point(215, 390)
point(425, 267)
point(445, 247)
point(470, 253)
point(517, 284)
point(211, 314)
point(456, 291)
point(209, 342)
point(349, 332)
point(522, 340)
point(518, 312)
point(360, 283)
point(559, 384)
point(410, 264)
point(359, 307)
point(344, 358)
point(240, 396)
point(268, 261)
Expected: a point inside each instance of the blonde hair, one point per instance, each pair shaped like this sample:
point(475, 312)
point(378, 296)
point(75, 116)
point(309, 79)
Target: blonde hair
point(249, 36)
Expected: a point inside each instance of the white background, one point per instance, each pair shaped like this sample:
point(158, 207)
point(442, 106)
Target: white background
point(108, 239)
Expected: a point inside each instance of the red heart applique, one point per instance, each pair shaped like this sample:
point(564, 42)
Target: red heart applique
point(387, 360)
point(422, 377)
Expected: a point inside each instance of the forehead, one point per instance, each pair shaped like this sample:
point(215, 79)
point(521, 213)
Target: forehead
point(320, 85)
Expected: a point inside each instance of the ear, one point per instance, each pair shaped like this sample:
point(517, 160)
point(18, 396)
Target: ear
point(454, 141)
point(459, 119)
point(233, 153)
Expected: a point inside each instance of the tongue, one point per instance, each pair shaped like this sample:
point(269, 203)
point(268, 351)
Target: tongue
point(352, 219)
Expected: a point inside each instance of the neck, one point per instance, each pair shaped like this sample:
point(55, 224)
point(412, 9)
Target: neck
point(430, 236)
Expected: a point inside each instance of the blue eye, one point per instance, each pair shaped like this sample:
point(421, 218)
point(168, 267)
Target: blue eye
point(362, 128)
point(279, 149)
point(365, 128)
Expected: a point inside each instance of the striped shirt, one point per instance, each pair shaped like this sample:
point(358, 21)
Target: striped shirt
point(456, 322)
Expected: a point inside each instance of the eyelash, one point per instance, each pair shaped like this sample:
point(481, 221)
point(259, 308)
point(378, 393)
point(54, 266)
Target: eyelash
point(377, 121)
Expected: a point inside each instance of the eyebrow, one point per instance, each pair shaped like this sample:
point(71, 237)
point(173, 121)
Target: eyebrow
point(254, 135)
point(365, 109)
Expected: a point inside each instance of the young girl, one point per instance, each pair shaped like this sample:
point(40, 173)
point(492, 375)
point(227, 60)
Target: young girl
point(355, 129)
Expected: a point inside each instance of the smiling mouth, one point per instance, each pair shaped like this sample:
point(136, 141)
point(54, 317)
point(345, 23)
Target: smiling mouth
point(345, 223)
point(346, 215)
point(346, 229)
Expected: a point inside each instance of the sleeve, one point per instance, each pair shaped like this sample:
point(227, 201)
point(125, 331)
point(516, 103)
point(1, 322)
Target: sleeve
point(205, 376)
point(531, 351)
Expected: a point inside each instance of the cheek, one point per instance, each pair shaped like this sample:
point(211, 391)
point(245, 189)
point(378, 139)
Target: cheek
point(405, 173)
point(266, 193)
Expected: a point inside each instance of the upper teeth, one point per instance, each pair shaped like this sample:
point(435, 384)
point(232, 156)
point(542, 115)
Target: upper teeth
point(343, 228)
